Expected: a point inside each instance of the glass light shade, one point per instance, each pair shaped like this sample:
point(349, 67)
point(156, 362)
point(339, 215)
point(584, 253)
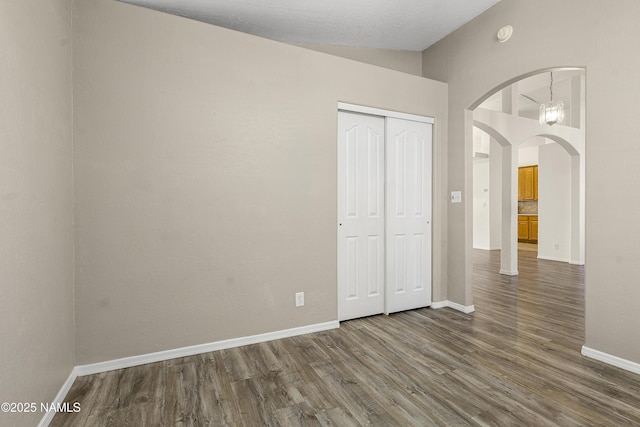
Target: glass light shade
point(552, 113)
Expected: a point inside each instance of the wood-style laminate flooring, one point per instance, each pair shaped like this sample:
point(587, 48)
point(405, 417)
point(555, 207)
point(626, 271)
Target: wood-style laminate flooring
point(514, 362)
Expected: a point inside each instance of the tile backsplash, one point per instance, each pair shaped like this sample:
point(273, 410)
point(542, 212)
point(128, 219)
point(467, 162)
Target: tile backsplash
point(528, 207)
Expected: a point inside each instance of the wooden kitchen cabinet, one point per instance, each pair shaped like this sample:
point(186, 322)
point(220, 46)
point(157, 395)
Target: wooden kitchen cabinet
point(528, 183)
point(535, 187)
point(533, 228)
point(523, 228)
point(528, 228)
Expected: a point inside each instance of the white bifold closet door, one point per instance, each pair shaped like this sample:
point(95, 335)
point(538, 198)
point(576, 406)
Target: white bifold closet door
point(384, 215)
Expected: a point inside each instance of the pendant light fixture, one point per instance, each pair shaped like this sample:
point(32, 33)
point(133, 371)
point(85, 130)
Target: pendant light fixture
point(553, 112)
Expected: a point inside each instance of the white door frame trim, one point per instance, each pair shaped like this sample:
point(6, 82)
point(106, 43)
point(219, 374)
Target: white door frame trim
point(343, 106)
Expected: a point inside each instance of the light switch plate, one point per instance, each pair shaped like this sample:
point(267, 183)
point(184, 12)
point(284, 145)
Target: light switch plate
point(456, 197)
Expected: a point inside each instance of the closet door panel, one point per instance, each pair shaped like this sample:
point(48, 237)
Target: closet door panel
point(360, 215)
point(408, 191)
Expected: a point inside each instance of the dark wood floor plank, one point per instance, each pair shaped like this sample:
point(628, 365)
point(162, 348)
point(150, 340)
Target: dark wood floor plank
point(355, 396)
point(515, 361)
point(407, 383)
point(298, 415)
point(180, 397)
point(215, 392)
point(408, 401)
point(85, 391)
point(336, 417)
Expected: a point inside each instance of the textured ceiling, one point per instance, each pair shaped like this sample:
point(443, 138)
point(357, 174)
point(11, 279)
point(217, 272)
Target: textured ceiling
point(387, 24)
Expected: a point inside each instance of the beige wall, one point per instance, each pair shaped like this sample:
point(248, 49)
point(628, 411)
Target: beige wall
point(36, 203)
point(205, 166)
point(407, 61)
point(603, 37)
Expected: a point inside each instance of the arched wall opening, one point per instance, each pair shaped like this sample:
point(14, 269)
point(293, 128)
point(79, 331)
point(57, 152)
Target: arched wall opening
point(507, 116)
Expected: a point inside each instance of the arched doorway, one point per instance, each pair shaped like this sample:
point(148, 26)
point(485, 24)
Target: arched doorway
point(507, 117)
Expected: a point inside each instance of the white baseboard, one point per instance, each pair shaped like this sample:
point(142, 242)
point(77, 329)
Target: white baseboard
point(59, 399)
point(550, 258)
point(439, 304)
point(446, 303)
point(127, 362)
point(611, 360)
point(463, 308)
point(509, 272)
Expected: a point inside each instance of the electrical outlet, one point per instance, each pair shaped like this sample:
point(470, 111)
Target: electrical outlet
point(299, 299)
